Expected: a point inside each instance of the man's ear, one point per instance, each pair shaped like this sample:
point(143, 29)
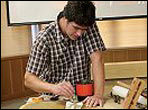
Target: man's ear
point(66, 20)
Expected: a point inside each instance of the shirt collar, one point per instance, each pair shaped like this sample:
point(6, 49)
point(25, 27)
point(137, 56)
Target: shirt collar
point(59, 34)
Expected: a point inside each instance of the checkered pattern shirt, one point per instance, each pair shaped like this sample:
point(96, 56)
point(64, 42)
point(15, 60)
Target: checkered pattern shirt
point(55, 58)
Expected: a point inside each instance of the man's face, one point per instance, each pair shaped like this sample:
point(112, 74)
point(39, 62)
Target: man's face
point(74, 31)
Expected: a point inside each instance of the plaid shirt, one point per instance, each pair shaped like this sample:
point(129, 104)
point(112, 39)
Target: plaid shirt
point(55, 58)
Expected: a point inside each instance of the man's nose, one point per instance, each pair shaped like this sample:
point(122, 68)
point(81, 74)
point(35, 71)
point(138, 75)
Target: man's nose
point(80, 32)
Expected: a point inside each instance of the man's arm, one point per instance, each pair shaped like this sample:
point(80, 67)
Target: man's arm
point(34, 83)
point(98, 73)
point(98, 77)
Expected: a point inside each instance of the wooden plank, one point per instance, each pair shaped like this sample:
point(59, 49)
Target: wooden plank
point(125, 69)
point(135, 91)
point(5, 79)
point(131, 95)
point(16, 75)
point(138, 93)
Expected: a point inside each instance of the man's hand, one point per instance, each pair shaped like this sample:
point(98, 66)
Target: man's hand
point(93, 101)
point(64, 88)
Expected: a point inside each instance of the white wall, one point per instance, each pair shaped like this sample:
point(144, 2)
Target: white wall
point(42, 11)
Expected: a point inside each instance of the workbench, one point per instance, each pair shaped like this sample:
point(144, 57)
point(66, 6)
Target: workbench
point(109, 102)
point(60, 104)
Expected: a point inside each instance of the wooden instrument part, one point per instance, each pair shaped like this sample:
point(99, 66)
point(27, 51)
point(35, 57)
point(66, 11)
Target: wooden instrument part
point(135, 91)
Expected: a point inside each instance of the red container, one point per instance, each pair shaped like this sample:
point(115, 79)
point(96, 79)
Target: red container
point(84, 89)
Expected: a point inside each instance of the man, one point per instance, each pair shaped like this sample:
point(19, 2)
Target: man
point(63, 52)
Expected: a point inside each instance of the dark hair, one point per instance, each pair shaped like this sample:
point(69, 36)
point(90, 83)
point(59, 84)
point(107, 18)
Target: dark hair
point(80, 12)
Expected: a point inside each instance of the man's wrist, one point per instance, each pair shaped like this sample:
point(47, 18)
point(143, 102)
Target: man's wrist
point(99, 95)
point(51, 88)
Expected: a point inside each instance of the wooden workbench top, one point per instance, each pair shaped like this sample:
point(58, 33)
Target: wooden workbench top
point(109, 104)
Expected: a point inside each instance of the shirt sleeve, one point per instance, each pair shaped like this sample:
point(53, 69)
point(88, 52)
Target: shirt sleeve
point(93, 40)
point(38, 56)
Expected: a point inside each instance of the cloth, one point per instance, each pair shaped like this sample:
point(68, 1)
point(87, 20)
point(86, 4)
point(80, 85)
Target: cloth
point(70, 105)
point(55, 57)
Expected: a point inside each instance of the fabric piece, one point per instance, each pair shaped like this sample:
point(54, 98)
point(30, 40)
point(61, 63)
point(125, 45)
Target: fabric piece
point(71, 105)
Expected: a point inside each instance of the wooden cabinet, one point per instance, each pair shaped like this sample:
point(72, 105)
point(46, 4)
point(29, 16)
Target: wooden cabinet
point(12, 78)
